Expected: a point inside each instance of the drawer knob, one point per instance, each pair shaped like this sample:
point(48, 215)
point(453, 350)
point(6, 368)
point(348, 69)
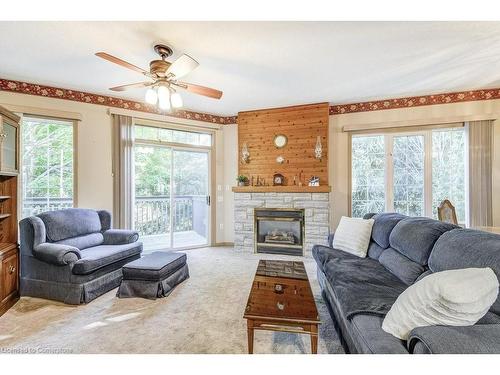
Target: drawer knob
point(12, 269)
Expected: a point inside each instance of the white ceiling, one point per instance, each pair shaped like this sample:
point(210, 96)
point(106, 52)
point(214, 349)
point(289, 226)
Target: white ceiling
point(262, 64)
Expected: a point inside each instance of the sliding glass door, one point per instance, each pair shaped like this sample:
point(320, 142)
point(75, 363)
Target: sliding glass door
point(152, 213)
point(172, 191)
point(191, 198)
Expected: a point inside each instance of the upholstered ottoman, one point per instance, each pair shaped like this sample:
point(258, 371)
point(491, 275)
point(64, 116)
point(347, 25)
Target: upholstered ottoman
point(153, 276)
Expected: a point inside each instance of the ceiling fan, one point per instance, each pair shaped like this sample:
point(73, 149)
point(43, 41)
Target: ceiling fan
point(164, 78)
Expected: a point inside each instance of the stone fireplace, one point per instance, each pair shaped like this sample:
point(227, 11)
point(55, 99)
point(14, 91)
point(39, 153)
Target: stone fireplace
point(307, 209)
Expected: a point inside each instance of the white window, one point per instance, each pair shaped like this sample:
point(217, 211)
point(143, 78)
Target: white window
point(47, 157)
point(409, 173)
point(368, 175)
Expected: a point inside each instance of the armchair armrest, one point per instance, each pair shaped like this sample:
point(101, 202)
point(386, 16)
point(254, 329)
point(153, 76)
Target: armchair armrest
point(476, 339)
point(57, 254)
point(120, 236)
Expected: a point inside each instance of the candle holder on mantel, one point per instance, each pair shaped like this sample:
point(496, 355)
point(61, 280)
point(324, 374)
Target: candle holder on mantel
point(318, 150)
point(245, 154)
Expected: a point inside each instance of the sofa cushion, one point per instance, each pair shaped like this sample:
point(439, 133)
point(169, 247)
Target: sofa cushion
point(403, 268)
point(156, 266)
point(374, 250)
point(72, 222)
point(370, 338)
point(353, 235)
point(414, 237)
point(96, 257)
point(361, 284)
point(84, 241)
point(383, 226)
point(452, 298)
point(465, 248)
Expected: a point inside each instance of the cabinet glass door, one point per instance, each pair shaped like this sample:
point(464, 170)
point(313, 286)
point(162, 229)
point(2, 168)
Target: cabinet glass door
point(9, 136)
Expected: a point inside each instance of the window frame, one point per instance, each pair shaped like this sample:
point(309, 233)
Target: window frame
point(74, 124)
point(389, 136)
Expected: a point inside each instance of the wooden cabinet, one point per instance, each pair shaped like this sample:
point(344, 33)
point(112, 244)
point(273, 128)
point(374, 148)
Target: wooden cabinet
point(9, 250)
point(9, 276)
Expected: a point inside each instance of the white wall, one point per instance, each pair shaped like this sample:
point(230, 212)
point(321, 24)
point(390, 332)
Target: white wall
point(94, 150)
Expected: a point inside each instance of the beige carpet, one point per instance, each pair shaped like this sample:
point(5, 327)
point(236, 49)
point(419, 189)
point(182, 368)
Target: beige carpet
point(202, 315)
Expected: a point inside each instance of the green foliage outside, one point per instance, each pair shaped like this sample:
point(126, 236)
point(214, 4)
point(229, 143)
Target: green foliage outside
point(47, 164)
point(448, 173)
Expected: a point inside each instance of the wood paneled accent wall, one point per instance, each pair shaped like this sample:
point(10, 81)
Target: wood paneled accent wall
point(301, 125)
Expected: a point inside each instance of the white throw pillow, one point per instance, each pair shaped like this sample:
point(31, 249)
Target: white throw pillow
point(353, 235)
point(451, 298)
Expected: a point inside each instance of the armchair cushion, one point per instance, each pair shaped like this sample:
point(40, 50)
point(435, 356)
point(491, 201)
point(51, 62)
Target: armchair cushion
point(71, 222)
point(84, 241)
point(97, 257)
point(57, 254)
point(479, 338)
point(120, 236)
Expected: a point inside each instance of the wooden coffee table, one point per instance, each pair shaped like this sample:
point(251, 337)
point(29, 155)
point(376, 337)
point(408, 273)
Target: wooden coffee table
point(281, 300)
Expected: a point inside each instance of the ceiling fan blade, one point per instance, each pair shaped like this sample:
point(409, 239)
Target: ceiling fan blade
point(116, 60)
point(200, 90)
point(131, 86)
point(182, 66)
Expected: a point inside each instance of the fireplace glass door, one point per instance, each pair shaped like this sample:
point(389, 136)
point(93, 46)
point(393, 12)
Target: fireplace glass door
point(279, 231)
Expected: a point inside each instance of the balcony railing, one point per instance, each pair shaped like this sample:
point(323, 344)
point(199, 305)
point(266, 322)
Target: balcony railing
point(151, 214)
point(35, 206)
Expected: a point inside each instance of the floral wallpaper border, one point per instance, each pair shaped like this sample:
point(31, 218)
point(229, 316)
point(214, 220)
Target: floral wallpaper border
point(84, 97)
point(376, 105)
point(416, 101)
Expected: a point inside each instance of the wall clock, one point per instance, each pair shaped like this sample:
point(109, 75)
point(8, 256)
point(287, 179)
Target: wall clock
point(278, 179)
point(280, 140)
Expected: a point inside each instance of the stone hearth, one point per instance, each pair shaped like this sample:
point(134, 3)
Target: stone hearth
point(316, 210)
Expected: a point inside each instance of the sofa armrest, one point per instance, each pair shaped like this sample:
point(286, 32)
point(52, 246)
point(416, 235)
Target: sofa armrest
point(120, 236)
point(476, 339)
point(57, 254)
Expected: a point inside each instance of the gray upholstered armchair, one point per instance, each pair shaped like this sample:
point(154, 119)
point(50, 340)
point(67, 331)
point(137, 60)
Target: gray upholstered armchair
point(73, 255)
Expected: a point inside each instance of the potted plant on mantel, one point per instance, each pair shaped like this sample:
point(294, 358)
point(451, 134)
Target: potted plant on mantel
point(242, 180)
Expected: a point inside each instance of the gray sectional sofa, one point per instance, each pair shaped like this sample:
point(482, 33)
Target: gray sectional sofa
point(73, 255)
point(360, 291)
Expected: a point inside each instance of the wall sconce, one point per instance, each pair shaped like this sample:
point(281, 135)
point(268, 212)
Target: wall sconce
point(318, 150)
point(245, 154)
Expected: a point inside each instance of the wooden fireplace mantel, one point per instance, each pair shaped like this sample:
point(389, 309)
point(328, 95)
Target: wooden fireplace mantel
point(282, 189)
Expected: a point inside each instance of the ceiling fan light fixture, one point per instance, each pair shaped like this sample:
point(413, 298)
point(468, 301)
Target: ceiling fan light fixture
point(151, 96)
point(176, 100)
point(164, 98)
